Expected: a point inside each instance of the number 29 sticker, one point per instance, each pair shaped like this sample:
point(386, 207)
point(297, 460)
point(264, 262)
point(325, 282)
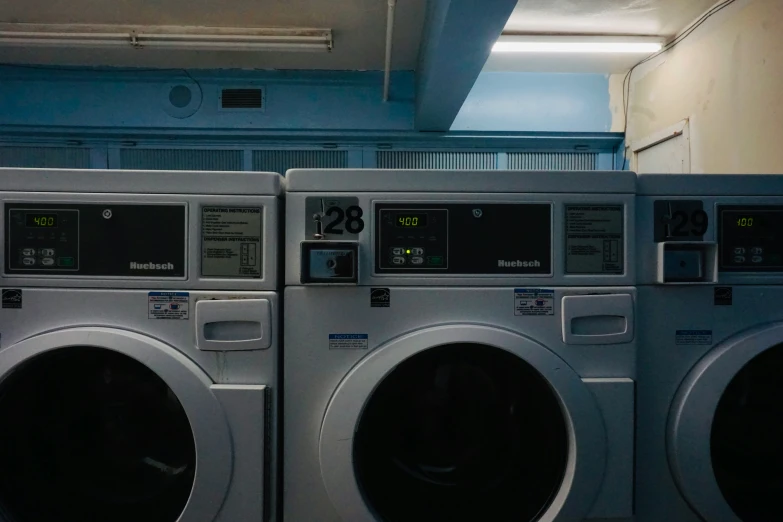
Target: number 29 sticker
point(680, 220)
point(333, 218)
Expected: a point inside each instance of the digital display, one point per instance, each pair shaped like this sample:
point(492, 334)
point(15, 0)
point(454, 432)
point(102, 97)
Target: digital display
point(41, 220)
point(750, 238)
point(411, 220)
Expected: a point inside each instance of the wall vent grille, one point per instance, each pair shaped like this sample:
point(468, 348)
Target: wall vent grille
point(552, 160)
point(281, 160)
point(394, 159)
point(181, 159)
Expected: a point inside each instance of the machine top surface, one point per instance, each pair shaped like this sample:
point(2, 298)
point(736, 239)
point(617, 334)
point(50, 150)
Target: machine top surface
point(709, 185)
point(140, 181)
point(473, 181)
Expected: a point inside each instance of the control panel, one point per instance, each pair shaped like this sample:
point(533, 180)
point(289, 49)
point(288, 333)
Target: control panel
point(463, 238)
point(104, 240)
point(750, 238)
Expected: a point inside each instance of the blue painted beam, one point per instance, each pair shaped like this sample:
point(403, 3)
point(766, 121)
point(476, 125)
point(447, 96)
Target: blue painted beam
point(457, 39)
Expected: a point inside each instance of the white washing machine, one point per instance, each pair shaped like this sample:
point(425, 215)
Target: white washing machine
point(459, 346)
point(710, 341)
point(138, 346)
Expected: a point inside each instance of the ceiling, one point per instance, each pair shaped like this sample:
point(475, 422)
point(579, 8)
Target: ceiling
point(637, 17)
point(663, 18)
point(358, 27)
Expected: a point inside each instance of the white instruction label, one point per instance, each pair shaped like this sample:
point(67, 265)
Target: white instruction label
point(168, 305)
point(351, 341)
point(594, 239)
point(534, 301)
point(231, 241)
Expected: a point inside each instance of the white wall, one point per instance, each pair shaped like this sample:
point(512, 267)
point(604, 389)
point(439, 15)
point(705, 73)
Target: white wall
point(726, 79)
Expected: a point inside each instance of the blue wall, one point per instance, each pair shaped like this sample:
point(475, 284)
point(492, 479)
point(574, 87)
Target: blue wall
point(506, 101)
point(295, 101)
point(136, 99)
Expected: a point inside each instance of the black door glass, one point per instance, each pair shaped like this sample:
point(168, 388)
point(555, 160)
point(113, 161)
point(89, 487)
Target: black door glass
point(461, 432)
point(92, 435)
point(747, 439)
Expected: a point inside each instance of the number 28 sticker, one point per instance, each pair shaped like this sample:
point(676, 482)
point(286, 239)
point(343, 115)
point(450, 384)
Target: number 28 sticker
point(352, 216)
point(333, 218)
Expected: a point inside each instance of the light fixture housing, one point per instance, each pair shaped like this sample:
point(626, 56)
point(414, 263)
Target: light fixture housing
point(166, 37)
point(577, 44)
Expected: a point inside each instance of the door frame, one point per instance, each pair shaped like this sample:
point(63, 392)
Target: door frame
point(587, 447)
point(187, 381)
point(692, 412)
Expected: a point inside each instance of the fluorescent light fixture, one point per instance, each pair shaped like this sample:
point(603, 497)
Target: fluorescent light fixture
point(166, 37)
point(576, 44)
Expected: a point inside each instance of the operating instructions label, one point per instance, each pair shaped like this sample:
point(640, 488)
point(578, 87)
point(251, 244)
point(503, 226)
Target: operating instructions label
point(231, 241)
point(594, 239)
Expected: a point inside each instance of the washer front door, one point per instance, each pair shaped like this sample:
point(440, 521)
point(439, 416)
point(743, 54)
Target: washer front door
point(104, 424)
point(462, 422)
point(725, 433)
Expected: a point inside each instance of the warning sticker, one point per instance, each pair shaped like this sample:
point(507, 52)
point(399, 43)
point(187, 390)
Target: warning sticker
point(693, 337)
point(348, 341)
point(534, 301)
point(231, 241)
point(168, 305)
point(594, 239)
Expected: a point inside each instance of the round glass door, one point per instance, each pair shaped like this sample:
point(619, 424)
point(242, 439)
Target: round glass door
point(746, 441)
point(461, 432)
point(92, 434)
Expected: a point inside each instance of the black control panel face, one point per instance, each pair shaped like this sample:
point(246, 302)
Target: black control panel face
point(751, 238)
point(101, 240)
point(463, 238)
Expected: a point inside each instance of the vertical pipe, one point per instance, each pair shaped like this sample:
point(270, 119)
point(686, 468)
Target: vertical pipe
point(389, 38)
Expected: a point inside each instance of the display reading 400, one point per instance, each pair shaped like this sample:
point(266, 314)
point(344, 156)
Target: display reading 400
point(351, 216)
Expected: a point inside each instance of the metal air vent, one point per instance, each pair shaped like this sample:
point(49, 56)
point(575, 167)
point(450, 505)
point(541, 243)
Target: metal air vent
point(391, 159)
point(242, 98)
point(32, 156)
point(282, 160)
point(552, 160)
point(181, 159)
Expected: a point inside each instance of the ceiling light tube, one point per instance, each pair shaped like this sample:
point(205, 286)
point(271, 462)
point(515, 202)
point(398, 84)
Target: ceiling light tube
point(576, 44)
point(184, 38)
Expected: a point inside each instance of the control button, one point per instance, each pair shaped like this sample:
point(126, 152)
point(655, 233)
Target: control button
point(757, 259)
point(28, 251)
point(65, 261)
point(398, 260)
point(48, 252)
point(435, 260)
point(756, 251)
point(398, 251)
point(47, 261)
point(739, 250)
point(417, 260)
point(28, 261)
point(739, 259)
point(417, 251)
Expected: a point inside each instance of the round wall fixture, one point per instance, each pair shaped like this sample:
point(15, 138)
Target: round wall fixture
point(181, 100)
